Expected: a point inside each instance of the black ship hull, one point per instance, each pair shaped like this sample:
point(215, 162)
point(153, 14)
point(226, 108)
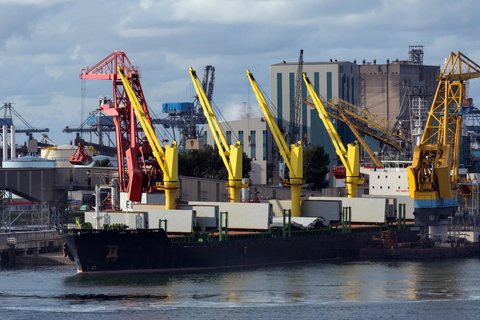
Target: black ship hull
point(150, 250)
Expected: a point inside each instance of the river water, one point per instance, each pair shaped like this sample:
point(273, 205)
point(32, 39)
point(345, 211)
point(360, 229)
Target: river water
point(448, 289)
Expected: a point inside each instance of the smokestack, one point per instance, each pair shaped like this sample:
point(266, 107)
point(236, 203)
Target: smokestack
point(5, 145)
point(12, 142)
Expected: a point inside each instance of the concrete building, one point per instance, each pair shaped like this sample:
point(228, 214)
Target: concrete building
point(383, 86)
point(258, 144)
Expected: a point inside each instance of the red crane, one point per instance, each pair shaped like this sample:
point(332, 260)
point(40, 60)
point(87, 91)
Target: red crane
point(138, 170)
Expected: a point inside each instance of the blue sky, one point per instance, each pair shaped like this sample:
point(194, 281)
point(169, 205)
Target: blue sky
point(45, 43)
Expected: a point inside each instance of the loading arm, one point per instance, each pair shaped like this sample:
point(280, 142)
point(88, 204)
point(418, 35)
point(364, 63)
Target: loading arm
point(351, 157)
point(232, 156)
point(167, 159)
point(292, 157)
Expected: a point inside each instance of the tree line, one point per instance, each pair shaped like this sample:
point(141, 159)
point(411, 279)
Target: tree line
point(207, 163)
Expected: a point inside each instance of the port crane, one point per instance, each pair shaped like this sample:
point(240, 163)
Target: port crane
point(292, 156)
point(167, 159)
point(7, 119)
point(232, 156)
point(350, 157)
point(137, 172)
point(433, 175)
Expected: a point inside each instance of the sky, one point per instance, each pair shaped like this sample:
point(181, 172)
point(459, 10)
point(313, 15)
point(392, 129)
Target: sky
point(45, 43)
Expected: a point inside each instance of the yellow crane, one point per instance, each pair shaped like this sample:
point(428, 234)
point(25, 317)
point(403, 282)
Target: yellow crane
point(292, 157)
point(433, 175)
point(167, 159)
point(350, 157)
point(232, 156)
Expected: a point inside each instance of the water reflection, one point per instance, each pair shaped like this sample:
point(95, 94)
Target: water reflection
point(315, 283)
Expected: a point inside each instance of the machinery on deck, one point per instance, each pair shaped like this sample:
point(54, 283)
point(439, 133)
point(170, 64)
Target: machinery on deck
point(232, 156)
point(137, 172)
point(293, 157)
point(433, 175)
point(351, 157)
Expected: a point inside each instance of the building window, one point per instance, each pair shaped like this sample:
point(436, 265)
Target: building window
point(253, 145)
point(240, 136)
point(279, 100)
point(265, 146)
point(329, 86)
point(229, 137)
point(205, 138)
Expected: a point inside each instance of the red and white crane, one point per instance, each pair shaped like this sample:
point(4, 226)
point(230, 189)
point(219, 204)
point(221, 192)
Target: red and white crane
point(138, 169)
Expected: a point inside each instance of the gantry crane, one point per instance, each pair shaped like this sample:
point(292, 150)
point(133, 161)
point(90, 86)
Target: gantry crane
point(433, 175)
point(167, 159)
point(292, 156)
point(232, 156)
point(137, 173)
point(350, 157)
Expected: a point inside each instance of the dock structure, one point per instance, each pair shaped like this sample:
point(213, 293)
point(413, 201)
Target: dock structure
point(31, 247)
point(48, 185)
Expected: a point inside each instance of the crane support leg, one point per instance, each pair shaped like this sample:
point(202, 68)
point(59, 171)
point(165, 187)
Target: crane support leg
point(170, 183)
point(295, 190)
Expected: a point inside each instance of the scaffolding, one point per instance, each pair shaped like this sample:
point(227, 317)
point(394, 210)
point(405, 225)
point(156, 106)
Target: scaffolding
point(6, 217)
point(416, 54)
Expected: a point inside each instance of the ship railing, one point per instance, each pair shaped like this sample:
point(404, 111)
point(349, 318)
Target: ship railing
point(209, 237)
point(28, 235)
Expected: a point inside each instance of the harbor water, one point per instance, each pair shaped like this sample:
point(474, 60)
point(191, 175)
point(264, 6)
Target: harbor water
point(354, 289)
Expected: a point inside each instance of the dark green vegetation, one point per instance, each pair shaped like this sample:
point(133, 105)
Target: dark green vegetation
point(315, 166)
point(207, 163)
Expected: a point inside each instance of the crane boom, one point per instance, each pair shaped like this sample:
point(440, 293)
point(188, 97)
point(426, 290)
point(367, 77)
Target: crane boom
point(364, 121)
point(350, 157)
point(232, 156)
point(168, 159)
point(297, 102)
point(292, 157)
point(433, 175)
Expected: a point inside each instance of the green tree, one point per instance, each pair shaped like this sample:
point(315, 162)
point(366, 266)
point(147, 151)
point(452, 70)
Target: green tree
point(102, 163)
point(315, 166)
point(207, 163)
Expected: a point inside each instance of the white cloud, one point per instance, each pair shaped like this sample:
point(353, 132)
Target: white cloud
point(183, 64)
point(54, 72)
point(34, 2)
point(44, 44)
point(126, 32)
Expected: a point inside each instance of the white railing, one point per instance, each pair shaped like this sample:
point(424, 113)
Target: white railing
point(28, 235)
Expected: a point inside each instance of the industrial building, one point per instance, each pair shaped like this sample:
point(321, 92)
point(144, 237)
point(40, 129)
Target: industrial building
point(383, 87)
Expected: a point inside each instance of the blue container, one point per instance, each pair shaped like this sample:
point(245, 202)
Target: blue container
point(177, 107)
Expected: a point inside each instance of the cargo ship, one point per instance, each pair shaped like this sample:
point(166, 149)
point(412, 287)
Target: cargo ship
point(152, 251)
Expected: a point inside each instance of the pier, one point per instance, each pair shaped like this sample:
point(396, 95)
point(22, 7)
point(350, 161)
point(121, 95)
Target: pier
point(31, 247)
